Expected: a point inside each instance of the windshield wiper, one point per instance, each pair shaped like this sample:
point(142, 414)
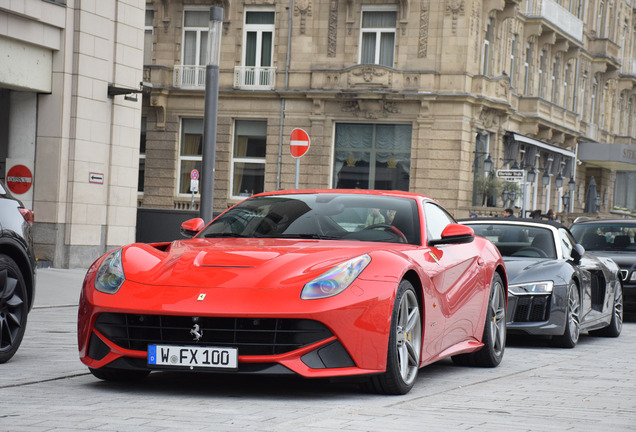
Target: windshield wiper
point(217, 235)
point(303, 236)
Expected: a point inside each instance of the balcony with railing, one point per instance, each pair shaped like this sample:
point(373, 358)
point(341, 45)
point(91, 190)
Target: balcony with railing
point(254, 78)
point(556, 14)
point(186, 76)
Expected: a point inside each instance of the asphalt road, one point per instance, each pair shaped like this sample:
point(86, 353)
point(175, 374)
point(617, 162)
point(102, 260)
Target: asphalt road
point(536, 388)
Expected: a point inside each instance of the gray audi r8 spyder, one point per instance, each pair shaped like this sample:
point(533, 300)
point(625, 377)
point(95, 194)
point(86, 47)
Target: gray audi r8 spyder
point(555, 287)
point(615, 239)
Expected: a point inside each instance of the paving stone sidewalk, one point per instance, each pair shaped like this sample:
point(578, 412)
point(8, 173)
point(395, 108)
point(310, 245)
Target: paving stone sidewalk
point(536, 388)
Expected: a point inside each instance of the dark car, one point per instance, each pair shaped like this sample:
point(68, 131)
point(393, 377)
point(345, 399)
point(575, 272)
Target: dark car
point(555, 288)
point(17, 272)
point(615, 239)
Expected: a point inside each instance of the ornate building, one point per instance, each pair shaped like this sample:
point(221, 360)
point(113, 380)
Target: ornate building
point(462, 100)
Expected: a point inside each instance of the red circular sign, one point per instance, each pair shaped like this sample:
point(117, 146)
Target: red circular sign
point(19, 179)
point(299, 143)
point(194, 175)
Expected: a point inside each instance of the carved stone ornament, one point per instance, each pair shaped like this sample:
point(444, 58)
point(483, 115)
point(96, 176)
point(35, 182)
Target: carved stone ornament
point(455, 8)
point(489, 118)
point(302, 8)
point(369, 73)
point(422, 46)
point(369, 76)
point(370, 109)
point(332, 32)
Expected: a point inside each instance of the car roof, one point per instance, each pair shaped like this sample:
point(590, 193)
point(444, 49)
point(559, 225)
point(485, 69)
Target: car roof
point(375, 192)
point(513, 221)
point(606, 222)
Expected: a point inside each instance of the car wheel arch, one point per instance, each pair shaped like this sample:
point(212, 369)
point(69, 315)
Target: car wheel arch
point(15, 252)
point(414, 279)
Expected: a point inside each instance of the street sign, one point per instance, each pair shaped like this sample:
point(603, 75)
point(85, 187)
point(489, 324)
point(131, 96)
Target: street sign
point(97, 178)
point(510, 175)
point(194, 175)
point(299, 143)
point(19, 179)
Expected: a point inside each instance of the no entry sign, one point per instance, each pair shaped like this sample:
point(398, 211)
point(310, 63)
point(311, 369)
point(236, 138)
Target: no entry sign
point(19, 179)
point(299, 143)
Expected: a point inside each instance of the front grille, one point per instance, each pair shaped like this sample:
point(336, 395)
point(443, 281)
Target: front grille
point(252, 336)
point(532, 308)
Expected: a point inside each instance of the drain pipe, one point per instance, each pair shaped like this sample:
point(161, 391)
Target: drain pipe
point(282, 102)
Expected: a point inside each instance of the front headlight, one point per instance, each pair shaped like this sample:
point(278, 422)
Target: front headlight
point(532, 288)
point(335, 280)
point(110, 275)
point(633, 278)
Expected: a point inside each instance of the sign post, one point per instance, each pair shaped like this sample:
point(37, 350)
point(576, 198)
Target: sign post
point(298, 146)
point(194, 185)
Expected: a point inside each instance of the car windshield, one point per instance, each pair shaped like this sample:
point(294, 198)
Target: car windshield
point(518, 240)
point(606, 237)
point(321, 216)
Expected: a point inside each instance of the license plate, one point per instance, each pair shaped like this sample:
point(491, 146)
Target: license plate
point(193, 356)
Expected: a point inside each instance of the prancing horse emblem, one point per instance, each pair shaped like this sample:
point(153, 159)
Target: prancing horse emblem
point(196, 332)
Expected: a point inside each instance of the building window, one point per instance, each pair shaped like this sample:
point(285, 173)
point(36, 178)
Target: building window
point(142, 156)
point(542, 69)
point(513, 54)
point(191, 72)
point(593, 101)
point(377, 36)
point(556, 66)
point(190, 151)
point(372, 156)
point(482, 181)
point(148, 29)
point(526, 67)
point(487, 43)
point(625, 190)
point(248, 157)
point(583, 99)
point(600, 20)
point(630, 117)
point(258, 40)
point(566, 78)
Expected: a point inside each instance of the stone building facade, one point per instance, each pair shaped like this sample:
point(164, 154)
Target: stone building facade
point(399, 94)
point(68, 77)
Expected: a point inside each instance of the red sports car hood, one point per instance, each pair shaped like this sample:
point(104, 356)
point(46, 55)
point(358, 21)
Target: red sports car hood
point(237, 263)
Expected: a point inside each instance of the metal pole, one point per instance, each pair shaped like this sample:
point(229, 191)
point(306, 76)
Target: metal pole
point(210, 115)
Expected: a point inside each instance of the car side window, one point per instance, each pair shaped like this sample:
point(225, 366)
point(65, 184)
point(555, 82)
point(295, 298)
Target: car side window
point(567, 243)
point(436, 220)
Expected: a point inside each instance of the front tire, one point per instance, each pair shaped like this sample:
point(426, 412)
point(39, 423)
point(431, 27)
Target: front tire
point(405, 345)
point(616, 325)
point(570, 336)
point(494, 337)
point(14, 307)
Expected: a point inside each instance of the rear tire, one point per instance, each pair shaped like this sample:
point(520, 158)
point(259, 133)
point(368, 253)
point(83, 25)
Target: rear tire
point(119, 375)
point(14, 307)
point(494, 337)
point(405, 345)
point(616, 325)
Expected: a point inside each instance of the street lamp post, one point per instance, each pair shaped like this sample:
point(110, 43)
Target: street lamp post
point(210, 114)
point(528, 176)
point(571, 187)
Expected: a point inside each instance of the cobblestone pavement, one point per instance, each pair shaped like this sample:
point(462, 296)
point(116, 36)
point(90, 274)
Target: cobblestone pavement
point(536, 388)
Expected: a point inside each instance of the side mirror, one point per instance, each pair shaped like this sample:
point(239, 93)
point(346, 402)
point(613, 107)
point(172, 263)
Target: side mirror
point(455, 234)
point(577, 252)
point(190, 227)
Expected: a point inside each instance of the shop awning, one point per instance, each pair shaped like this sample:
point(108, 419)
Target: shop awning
point(543, 145)
point(619, 157)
